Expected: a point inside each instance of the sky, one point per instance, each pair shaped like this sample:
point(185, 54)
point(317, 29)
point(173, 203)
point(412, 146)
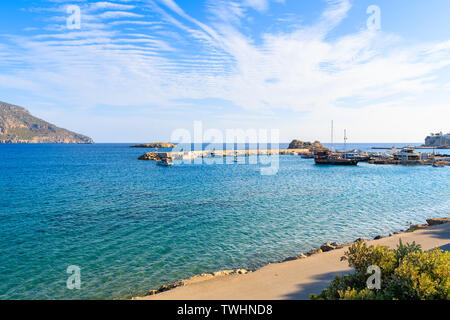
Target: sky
point(136, 71)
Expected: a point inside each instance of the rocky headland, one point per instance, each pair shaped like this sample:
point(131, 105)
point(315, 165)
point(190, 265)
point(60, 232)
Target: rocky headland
point(311, 146)
point(17, 125)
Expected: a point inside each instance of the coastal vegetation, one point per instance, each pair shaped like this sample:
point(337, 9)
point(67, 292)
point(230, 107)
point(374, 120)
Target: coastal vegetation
point(407, 273)
point(17, 125)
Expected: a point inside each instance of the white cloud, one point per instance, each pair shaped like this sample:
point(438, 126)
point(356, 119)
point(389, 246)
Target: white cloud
point(119, 14)
point(110, 5)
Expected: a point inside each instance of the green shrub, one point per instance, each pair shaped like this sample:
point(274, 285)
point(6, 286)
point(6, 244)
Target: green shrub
point(407, 273)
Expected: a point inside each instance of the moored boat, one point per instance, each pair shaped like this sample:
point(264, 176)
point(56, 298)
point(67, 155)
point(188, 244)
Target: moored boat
point(325, 157)
point(307, 156)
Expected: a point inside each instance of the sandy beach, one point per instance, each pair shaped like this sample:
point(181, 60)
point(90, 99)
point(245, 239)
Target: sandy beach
point(295, 279)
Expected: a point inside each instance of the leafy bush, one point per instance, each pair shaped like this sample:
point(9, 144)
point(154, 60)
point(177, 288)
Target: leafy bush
point(407, 273)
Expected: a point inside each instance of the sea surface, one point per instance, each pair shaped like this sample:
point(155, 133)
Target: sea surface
point(132, 225)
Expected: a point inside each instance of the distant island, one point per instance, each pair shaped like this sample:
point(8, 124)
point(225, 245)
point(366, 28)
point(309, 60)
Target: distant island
point(155, 145)
point(17, 125)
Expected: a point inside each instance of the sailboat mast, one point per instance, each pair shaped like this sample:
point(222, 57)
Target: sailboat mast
point(332, 129)
point(345, 142)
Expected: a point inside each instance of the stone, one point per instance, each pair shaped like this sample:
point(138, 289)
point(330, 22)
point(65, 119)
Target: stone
point(289, 259)
point(377, 238)
point(302, 256)
point(170, 286)
point(152, 292)
point(437, 221)
point(222, 273)
point(360, 240)
point(241, 271)
point(415, 227)
point(328, 246)
point(314, 251)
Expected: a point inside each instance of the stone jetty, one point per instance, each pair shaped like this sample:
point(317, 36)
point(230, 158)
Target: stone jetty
point(189, 155)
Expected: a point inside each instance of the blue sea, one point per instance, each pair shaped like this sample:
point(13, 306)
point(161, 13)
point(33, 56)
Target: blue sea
point(132, 225)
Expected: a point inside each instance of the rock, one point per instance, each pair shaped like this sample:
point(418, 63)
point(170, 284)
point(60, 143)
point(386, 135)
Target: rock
point(328, 246)
point(415, 227)
point(377, 238)
point(314, 251)
point(289, 259)
point(155, 145)
point(437, 221)
point(298, 144)
point(360, 240)
point(170, 286)
point(242, 271)
point(222, 273)
point(152, 292)
point(302, 256)
point(199, 278)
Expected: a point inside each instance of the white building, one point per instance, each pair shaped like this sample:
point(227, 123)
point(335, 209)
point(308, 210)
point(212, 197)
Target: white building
point(438, 140)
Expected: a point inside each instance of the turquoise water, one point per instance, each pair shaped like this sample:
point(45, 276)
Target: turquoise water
point(132, 225)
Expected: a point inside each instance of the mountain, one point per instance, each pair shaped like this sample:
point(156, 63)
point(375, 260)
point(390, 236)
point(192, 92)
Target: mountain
point(17, 125)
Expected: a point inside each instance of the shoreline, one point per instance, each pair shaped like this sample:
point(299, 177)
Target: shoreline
point(227, 283)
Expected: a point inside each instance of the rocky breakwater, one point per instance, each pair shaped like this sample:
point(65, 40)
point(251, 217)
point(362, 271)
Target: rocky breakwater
point(155, 156)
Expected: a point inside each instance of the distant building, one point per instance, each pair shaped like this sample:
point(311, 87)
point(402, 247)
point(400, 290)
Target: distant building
point(406, 155)
point(438, 140)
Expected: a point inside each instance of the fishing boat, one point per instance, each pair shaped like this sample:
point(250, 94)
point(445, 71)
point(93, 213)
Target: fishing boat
point(307, 156)
point(334, 158)
point(326, 157)
point(357, 155)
